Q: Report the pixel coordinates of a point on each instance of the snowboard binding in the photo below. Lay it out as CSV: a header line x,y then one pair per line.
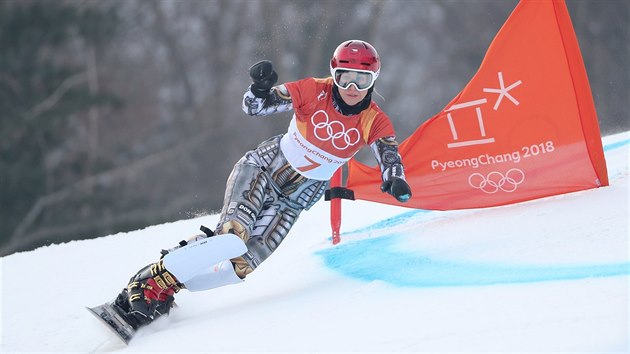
x,y
149,295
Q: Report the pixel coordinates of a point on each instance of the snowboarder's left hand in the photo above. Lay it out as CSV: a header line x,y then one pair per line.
x,y
263,78
398,188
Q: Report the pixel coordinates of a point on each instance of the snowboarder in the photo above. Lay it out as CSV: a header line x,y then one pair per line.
x,y
272,184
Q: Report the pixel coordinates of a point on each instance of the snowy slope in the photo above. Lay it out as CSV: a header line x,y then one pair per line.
x,y
549,275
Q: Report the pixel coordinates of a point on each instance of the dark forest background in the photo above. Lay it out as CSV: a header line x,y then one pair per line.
x,y
119,114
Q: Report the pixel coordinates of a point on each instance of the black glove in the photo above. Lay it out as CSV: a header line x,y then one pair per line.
x,y
263,78
398,188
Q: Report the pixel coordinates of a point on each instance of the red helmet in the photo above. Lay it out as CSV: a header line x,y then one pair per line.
x,y
356,55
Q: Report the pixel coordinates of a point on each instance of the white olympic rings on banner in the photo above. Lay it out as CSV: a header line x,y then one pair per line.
x,y
496,181
335,131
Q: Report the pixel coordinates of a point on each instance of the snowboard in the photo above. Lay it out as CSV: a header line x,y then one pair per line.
x,y
113,321
185,263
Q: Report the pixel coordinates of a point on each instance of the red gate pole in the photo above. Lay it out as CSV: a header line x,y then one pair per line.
x,y
335,207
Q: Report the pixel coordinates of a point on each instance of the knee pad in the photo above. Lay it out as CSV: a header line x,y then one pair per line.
x,y
220,274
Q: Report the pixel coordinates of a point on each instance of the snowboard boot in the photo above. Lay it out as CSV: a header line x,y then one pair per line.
x,y
148,296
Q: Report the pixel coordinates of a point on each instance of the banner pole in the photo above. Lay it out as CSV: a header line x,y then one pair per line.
x,y
335,207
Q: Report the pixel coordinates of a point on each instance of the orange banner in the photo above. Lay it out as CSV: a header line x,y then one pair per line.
x,y
524,127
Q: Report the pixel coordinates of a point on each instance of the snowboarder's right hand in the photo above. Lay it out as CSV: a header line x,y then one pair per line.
x,y
263,78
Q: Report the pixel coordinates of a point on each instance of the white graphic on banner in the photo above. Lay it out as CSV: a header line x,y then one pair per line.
x,y
482,129
325,130
496,181
503,91
477,106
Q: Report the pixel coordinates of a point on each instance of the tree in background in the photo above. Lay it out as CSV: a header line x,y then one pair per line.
x,y
48,93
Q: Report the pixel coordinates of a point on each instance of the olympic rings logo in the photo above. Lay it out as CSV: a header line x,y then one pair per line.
x,y
335,131
496,181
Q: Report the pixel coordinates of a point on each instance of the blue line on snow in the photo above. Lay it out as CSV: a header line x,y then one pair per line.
x,y
616,145
378,259
392,221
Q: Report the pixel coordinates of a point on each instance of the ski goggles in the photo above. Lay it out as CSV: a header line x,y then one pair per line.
x,y
361,79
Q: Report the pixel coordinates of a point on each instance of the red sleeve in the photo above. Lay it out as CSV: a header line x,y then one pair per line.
x,y
381,127
300,91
